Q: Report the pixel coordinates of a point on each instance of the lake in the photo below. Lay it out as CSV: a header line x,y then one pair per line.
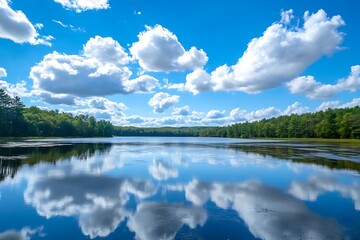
x,y
178,188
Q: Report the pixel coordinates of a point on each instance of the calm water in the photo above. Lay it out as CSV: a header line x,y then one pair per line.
x,y
178,188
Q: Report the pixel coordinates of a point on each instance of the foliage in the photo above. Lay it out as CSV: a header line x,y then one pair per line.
x,y
332,123
16,120
161,131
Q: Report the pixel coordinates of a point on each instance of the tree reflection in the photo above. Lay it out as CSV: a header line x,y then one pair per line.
x,y
12,157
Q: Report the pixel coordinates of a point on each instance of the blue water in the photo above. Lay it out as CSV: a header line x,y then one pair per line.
x,y
178,188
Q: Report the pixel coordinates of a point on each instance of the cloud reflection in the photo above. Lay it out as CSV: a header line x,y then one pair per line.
x,y
97,201
316,185
269,213
161,170
153,221
24,234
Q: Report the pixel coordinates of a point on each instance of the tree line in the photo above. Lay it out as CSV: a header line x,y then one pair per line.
x,y
18,121
332,123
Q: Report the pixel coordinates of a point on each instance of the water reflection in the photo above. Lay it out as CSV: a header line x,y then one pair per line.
x,y
153,221
317,185
178,191
97,201
161,170
13,156
269,213
25,233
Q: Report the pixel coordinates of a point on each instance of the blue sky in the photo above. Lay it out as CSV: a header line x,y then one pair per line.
x,y
181,63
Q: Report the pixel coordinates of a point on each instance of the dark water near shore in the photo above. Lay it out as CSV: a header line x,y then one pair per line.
x,y
178,188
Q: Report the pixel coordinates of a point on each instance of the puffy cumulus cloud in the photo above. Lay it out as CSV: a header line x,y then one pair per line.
x,y
316,185
263,113
141,121
100,108
84,5
198,81
311,88
278,56
238,115
183,117
62,99
162,101
325,105
355,102
3,72
153,221
182,111
158,49
161,170
14,25
268,212
352,82
106,50
17,89
96,201
25,233
335,104
215,114
103,104
295,108
99,70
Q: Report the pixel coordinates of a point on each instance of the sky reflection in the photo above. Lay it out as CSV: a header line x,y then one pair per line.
x,y
166,191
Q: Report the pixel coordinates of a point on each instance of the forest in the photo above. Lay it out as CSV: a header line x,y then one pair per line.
x,y
333,123
16,120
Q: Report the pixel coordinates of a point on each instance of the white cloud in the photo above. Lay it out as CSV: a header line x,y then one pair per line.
x,y
17,89
352,82
162,101
325,105
158,49
182,111
183,117
104,103
14,25
335,104
177,86
56,98
287,16
153,221
263,113
355,102
100,108
71,27
312,89
215,114
3,72
99,70
237,114
198,81
295,108
84,5
279,55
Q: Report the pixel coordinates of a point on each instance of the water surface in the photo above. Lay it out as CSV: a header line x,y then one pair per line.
x,y
178,188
